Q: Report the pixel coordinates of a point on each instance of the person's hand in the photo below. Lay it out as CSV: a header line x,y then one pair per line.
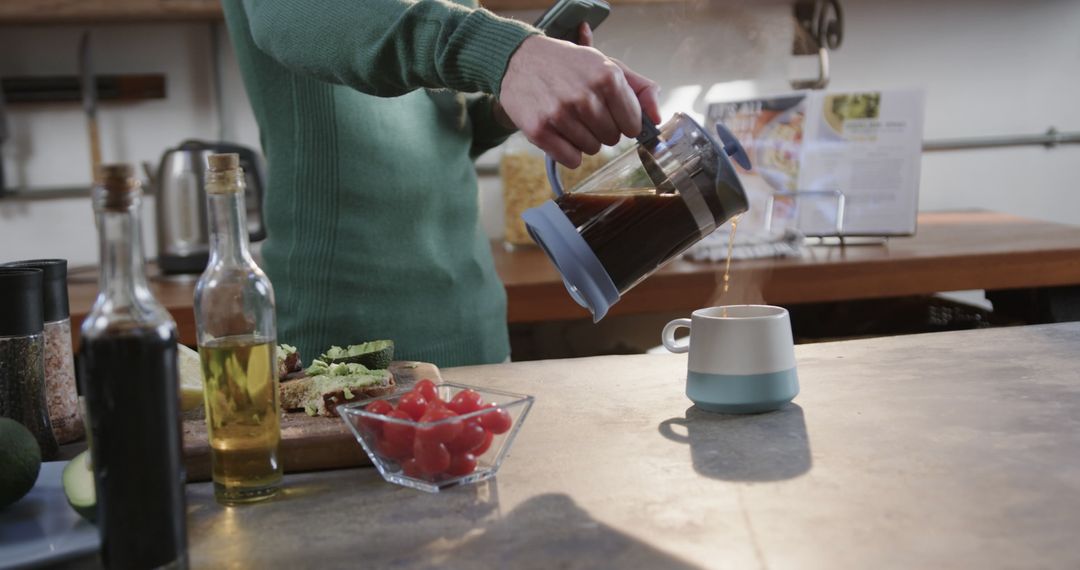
x,y
570,99
647,91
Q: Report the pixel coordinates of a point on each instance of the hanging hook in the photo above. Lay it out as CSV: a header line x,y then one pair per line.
x,y
822,80
819,28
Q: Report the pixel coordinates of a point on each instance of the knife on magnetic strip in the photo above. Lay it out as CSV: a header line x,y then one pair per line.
x,y
89,99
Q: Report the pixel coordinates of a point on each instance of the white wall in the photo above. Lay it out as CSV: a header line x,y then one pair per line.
x,y
49,145
989,67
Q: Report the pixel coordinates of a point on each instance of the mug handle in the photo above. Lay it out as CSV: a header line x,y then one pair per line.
x,y
668,336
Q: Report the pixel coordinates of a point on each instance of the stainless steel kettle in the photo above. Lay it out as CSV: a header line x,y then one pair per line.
x,y
183,238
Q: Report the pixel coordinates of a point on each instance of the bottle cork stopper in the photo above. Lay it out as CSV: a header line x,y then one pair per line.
x,y
118,171
225,161
119,185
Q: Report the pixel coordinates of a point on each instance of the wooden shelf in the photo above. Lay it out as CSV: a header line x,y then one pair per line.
x,y
104,11
14,12
510,5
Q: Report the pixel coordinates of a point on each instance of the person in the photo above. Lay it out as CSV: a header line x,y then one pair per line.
x,y
370,116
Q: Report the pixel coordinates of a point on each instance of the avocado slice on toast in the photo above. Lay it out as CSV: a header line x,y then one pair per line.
x,y
375,355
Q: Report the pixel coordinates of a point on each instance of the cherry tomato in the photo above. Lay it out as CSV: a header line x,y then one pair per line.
x,y
484,445
441,433
400,434
427,389
432,458
461,464
496,421
392,449
374,425
466,401
414,404
379,407
471,436
411,468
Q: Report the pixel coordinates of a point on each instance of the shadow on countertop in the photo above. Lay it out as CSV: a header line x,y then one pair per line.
x,y
551,531
744,447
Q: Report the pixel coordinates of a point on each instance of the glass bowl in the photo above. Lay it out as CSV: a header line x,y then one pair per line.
x,y
370,429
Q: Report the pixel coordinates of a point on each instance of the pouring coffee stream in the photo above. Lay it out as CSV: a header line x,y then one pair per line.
x,y
642,209
727,264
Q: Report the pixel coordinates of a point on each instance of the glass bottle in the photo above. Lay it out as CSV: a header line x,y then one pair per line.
x,y
61,395
129,377
235,322
22,355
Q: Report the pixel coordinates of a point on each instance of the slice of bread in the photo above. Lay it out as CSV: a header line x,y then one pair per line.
x,y
288,361
321,395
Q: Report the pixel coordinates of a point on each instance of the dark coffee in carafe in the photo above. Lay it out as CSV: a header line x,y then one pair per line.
x,y
631,234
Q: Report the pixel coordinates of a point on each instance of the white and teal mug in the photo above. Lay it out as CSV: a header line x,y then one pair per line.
x,y
742,358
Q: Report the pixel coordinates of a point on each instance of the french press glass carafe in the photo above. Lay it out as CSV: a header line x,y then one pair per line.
x,y
639,211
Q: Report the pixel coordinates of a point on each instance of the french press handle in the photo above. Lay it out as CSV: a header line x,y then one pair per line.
x,y
553,175
649,135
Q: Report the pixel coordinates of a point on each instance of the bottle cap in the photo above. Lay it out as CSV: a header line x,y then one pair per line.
x,y
21,311
54,285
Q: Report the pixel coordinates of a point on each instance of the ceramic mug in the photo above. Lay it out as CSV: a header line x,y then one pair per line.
x,y
742,358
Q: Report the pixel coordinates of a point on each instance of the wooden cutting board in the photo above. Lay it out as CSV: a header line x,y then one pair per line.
x,y
307,443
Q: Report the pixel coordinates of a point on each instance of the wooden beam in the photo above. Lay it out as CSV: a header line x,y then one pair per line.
x,y
48,12
105,11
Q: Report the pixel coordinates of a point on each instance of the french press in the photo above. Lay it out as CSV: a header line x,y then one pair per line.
x,y
639,211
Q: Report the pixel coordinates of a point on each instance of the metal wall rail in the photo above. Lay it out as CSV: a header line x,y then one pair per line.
x,y
1050,139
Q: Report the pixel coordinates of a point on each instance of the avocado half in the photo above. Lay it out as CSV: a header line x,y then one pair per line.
x,y
375,355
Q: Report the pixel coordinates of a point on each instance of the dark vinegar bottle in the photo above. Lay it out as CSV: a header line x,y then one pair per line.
x,y
129,377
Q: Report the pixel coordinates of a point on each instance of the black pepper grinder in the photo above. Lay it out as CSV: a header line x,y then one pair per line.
x,y
22,355
61,395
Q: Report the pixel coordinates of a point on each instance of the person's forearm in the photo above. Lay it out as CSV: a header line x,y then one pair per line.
x,y
388,47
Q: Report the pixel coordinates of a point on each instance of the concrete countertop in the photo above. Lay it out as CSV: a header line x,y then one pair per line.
x,y
951,450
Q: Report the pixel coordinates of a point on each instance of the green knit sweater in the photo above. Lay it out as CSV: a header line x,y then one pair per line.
x,y
371,206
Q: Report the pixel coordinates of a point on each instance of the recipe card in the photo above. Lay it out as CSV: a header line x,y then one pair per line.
x,y
809,148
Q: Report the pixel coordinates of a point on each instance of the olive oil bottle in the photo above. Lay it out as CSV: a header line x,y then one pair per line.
x,y
234,315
